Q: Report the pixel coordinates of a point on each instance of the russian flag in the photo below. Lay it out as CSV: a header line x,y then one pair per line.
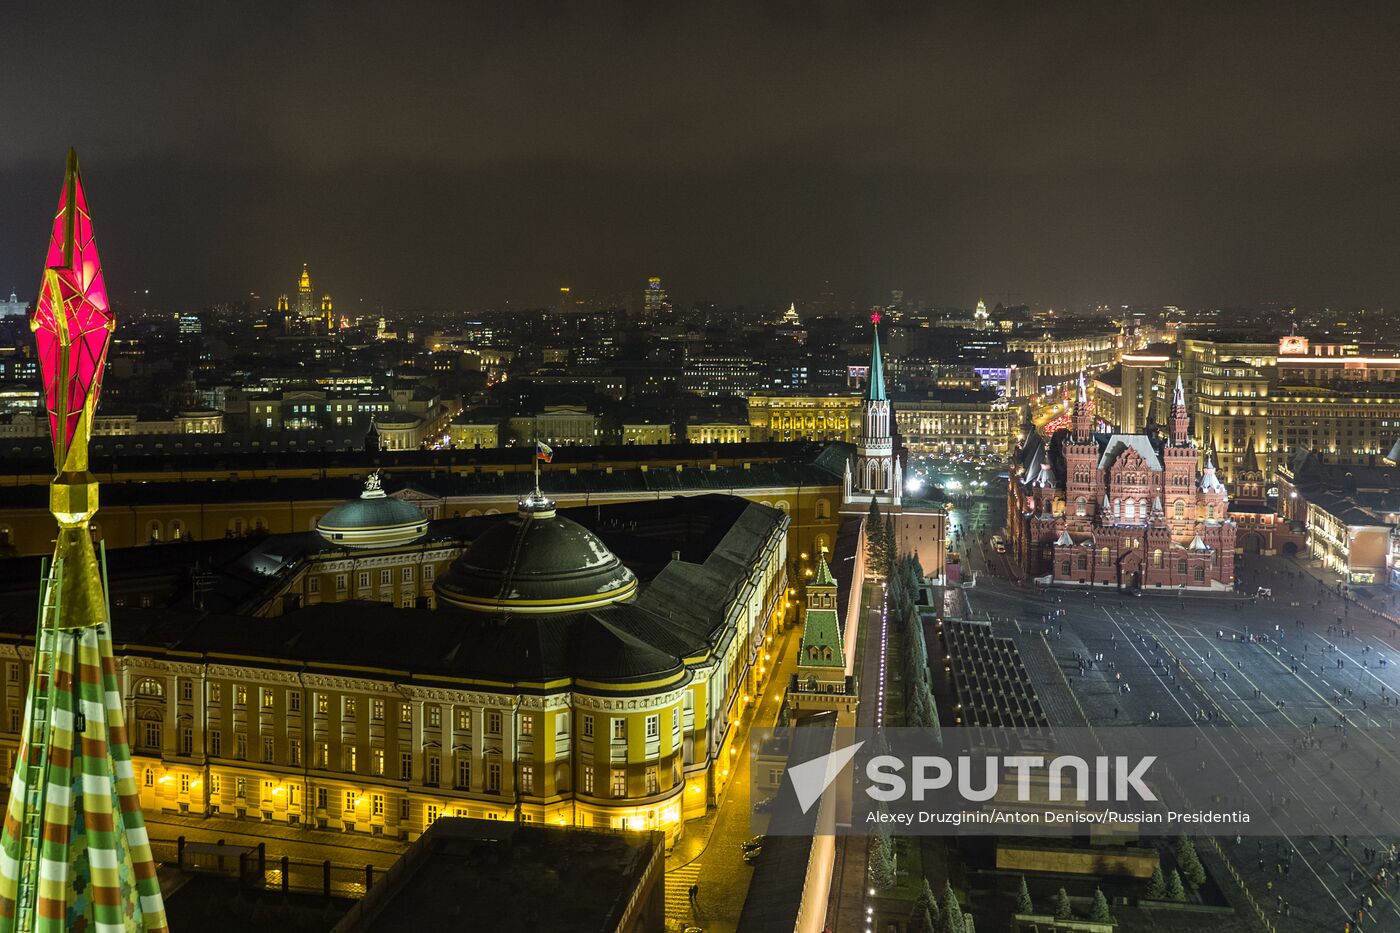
x,y
544,452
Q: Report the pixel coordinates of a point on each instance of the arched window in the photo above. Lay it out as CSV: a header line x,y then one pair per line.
x,y
1130,509
153,532
1064,568
1105,558
1210,511
1200,574
1080,506
177,530
1157,558
1178,510
149,687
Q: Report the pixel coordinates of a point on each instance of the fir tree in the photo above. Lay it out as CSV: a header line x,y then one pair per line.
x,y
968,925
875,538
1023,899
881,861
951,917
1061,905
1099,911
1193,873
1157,885
891,548
926,908
1175,890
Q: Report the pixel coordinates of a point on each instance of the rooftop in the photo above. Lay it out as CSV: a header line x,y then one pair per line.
x,y
677,614
506,876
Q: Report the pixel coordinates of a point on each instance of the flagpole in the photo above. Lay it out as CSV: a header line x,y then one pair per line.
x,y
537,470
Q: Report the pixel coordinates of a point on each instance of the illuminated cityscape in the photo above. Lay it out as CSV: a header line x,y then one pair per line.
x,y
639,470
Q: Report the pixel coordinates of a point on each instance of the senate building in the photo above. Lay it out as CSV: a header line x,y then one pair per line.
x,y
585,667
1127,511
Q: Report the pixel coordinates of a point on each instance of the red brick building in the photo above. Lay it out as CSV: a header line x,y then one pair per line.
x,y
1126,511
1259,528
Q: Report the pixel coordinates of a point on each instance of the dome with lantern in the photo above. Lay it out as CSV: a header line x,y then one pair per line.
x,y
374,520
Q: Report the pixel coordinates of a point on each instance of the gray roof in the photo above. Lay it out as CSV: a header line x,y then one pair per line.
x,y
1141,444
534,558
371,513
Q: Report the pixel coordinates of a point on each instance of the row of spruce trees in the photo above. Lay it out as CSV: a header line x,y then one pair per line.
x,y
1060,906
902,575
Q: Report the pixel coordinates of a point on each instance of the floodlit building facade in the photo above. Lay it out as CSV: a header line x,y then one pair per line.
x,y
1120,510
385,671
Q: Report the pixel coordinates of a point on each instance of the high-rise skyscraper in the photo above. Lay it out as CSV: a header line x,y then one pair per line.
x,y
74,845
306,298
654,303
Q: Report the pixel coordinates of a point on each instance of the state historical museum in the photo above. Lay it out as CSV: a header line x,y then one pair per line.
x,y
1127,511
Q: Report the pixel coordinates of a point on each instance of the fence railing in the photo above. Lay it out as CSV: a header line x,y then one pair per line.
x,y
255,870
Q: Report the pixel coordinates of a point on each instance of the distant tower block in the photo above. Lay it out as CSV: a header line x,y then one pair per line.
x,y
654,300
306,298
74,845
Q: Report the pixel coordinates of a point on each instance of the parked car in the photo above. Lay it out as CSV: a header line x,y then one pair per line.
x,y
763,806
751,855
755,843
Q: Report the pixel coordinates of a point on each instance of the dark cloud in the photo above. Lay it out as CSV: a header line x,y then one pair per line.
x,y
457,154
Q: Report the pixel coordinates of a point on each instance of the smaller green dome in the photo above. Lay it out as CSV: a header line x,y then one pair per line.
x,y
372,521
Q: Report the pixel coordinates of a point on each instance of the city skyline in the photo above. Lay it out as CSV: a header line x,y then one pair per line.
x,y
514,421
1190,157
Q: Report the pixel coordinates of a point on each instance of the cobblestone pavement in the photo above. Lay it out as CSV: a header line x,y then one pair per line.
x,y
1199,638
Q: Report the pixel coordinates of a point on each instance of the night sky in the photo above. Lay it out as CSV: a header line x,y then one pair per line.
x,y
460,156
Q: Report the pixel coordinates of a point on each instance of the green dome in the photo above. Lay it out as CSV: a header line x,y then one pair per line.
x,y
536,562
374,520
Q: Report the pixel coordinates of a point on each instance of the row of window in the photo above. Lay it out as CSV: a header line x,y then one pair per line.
x,y
152,688
353,800
386,578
